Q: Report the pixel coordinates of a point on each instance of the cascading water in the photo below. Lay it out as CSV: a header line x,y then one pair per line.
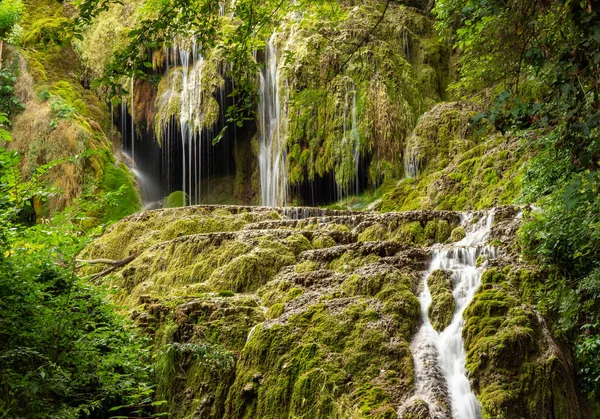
x,y
348,154
273,126
411,163
190,119
132,121
439,357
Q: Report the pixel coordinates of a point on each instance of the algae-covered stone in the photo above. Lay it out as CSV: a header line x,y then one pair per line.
x,y
411,233
519,368
437,231
458,234
376,232
298,243
250,271
442,305
176,199
323,241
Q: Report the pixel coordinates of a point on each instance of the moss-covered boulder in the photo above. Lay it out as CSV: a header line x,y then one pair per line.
x,y
517,367
442,305
334,357
412,232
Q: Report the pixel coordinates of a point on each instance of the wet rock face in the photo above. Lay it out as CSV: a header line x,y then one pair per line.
x,y
282,312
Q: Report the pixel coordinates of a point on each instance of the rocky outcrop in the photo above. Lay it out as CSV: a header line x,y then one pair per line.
x,y
274,312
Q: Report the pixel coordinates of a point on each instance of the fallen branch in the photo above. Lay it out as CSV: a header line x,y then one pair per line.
x,y
105,261
116,264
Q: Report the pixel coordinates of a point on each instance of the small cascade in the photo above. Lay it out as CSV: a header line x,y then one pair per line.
x,y
439,357
132,121
348,154
411,163
273,127
190,119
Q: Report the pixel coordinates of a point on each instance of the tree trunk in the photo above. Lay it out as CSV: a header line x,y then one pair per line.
x,y
1,45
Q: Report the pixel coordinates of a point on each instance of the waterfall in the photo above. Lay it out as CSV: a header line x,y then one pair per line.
x,y
347,155
190,120
439,357
355,138
132,121
411,162
272,126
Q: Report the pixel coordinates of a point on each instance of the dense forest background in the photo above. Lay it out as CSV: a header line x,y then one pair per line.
x,y
526,75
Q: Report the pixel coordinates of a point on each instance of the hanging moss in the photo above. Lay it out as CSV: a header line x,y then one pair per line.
x,y
458,168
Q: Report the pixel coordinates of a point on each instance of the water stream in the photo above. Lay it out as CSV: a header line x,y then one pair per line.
x,y
273,126
439,357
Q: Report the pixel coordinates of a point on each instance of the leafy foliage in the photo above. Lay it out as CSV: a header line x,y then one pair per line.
x,y
64,350
9,103
542,58
11,13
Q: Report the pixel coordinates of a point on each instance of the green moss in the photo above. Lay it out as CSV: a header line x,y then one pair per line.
x,y
512,356
336,228
195,352
274,292
298,243
411,233
351,260
297,368
250,271
457,234
323,241
442,305
176,199
374,233
306,266
275,311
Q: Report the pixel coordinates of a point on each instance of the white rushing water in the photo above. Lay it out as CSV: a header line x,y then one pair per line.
x,y
347,153
439,357
273,126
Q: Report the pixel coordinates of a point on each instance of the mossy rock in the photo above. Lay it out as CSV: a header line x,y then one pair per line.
x,y
250,271
437,231
176,199
323,241
374,233
411,233
442,305
519,367
458,234
298,243
297,368
352,260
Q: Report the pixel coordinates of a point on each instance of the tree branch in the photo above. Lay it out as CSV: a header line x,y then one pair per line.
x,y
116,264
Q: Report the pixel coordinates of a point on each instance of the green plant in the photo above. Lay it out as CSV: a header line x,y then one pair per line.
x,y
11,14
64,350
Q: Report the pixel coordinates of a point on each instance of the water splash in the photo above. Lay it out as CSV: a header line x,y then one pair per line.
x,y
440,374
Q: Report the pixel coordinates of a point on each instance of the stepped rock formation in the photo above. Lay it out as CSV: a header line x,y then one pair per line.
x,y
306,312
